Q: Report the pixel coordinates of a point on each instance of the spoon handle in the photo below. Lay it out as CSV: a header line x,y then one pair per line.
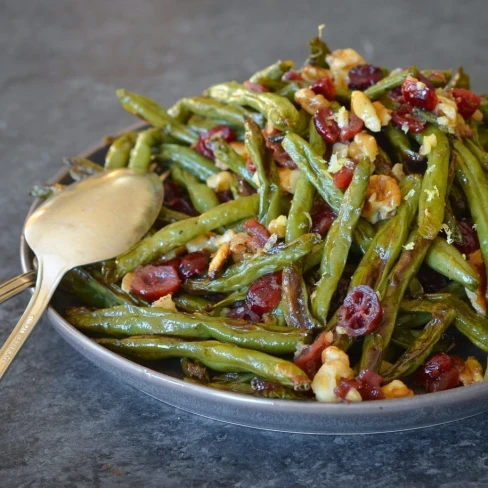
x,y
16,285
49,274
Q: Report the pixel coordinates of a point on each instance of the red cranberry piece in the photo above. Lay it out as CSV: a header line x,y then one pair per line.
x,y
367,383
326,126
342,178
427,80
255,87
220,132
273,143
265,293
292,75
153,282
418,94
258,231
309,359
361,312
171,191
354,127
438,373
182,205
470,242
224,196
325,86
243,312
467,102
403,115
193,264
322,216
250,165
364,76
396,95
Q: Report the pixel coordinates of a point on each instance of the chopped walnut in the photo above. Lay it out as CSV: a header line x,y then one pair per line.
x,y
472,372
278,226
219,259
127,282
220,181
396,389
341,61
362,106
310,101
382,198
288,179
314,73
166,303
363,144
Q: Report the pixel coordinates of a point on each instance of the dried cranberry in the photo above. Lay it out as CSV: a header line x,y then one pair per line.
x,y
193,264
403,117
322,216
325,86
467,102
354,127
470,242
255,87
364,76
224,196
258,231
326,126
243,312
342,178
273,143
438,373
292,75
182,205
396,95
367,383
340,293
309,359
250,165
153,282
418,94
427,79
361,312
220,132
431,280
171,191
265,293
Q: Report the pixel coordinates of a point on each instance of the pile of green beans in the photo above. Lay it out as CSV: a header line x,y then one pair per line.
x,y
274,173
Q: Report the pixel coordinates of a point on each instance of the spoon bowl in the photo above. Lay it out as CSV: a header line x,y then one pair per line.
x,y
90,221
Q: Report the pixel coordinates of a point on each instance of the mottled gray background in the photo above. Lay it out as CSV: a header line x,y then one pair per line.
x,y
65,423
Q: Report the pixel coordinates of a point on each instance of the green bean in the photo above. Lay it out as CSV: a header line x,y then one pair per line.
x,y
119,151
81,168
338,241
401,146
179,233
168,215
246,272
377,262
278,110
91,292
343,95
471,178
289,89
391,81
447,260
451,222
434,185
140,156
483,108
154,114
234,297
189,159
422,346
315,169
318,52
478,152
405,337
214,355
411,320
127,321
459,80
225,154
269,190
46,191
438,77
467,321
207,107
202,197
295,300
270,76
191,303
409,263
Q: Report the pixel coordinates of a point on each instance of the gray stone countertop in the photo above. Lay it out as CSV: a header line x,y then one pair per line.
x,y
65,423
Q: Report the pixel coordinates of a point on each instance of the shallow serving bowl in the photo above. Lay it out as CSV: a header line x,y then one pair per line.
x,y
280,415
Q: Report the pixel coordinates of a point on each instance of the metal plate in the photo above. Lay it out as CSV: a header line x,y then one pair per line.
x,y
279,415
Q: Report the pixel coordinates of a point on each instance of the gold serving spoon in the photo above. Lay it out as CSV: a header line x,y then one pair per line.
x,y
90,221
